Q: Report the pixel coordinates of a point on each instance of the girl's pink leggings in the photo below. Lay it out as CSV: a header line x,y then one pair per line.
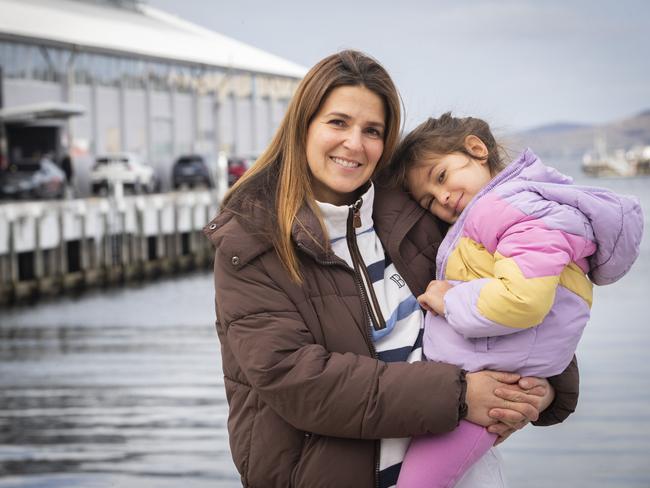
x,y
439,461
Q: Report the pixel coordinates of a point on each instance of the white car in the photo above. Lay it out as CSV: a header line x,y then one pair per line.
x,y
123,167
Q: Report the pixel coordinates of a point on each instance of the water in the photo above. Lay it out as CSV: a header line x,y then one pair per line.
x,y
116,389
124,388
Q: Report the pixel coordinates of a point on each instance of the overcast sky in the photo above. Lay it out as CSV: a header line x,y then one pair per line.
x,y
518,63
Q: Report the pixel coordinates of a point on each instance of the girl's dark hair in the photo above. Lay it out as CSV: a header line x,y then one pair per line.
x,y
441,136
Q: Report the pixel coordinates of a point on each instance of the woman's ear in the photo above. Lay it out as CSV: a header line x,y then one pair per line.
x,y
476,147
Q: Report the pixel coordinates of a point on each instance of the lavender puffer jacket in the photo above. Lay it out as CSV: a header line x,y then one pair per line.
x,y
520,256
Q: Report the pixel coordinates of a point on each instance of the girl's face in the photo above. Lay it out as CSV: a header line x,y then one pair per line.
x,y
444,185
345,140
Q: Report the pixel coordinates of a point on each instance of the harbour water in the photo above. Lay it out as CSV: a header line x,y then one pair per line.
x,y
123,388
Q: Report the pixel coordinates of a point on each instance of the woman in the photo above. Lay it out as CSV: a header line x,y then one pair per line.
x,y
315,275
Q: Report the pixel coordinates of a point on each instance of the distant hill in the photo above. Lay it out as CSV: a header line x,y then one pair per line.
x,y
555,128
563,144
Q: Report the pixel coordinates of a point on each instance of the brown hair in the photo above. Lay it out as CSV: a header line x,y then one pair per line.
x,y
441,136
282,169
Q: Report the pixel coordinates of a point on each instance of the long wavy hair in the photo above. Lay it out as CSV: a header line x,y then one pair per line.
x,y
282,169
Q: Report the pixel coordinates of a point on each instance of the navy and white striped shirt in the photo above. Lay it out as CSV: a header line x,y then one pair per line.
x,y
401,340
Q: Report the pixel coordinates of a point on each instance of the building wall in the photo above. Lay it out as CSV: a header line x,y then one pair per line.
x,y
157,110
183,122
206,142
21,92
109,136
135,119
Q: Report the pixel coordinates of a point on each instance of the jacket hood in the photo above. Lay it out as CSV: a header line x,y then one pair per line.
x,y
532,169
616,220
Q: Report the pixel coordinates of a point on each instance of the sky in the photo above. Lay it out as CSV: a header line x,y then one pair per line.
x,y
517,63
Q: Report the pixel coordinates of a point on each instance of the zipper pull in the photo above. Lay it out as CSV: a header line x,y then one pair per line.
x,y
356,209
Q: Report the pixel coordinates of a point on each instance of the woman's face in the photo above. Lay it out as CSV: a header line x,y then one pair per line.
x,y
345,140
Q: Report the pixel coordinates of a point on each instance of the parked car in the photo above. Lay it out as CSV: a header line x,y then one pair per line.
x,y
32,179
237,166
191,170
125,167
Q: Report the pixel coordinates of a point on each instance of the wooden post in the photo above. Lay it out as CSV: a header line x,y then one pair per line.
x,y
38,251
177,238
141,240
107,258
193,237
160,237
124,251
13,261
63,266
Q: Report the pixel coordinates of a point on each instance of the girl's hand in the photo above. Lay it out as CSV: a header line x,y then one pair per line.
x,y
433,298
535,391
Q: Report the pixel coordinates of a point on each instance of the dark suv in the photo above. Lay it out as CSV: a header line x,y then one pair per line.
x,y
191,170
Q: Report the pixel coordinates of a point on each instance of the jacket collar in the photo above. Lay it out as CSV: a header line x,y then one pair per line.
x,y
335,217
246,232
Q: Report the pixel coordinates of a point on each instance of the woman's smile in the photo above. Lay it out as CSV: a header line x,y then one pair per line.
x,y
346,163
345,141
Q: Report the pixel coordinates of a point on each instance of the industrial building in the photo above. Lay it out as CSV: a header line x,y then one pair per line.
x,y
90,77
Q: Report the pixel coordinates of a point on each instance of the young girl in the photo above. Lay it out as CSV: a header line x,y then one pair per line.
x,y
514,272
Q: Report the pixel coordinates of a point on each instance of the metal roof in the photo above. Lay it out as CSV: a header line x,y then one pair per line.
x,y
144,31
45,110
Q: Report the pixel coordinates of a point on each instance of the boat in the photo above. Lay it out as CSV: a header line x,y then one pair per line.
x,y
620,163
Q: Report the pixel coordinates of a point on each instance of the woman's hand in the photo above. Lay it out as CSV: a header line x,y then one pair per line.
x,y
505,402
481,397
535,391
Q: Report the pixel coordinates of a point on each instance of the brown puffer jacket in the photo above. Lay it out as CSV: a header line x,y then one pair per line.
x,y
307,399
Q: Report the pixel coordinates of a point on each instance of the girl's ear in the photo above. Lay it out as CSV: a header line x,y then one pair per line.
x,y
476,147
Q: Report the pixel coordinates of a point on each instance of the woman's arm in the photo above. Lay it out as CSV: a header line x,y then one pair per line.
x,y
566,386
482,398
313,389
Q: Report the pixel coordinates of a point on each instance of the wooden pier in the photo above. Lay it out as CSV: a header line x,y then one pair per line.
x,y
54,247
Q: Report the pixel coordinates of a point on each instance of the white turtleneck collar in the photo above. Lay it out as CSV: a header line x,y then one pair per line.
x,y
336,216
